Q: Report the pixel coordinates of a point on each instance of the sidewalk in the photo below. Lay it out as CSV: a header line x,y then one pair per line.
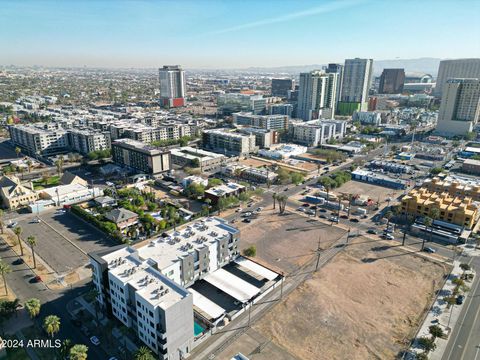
x,y
440,315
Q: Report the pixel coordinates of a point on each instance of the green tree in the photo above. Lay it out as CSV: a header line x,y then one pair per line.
x,y
51,324
251,251
65,348
144,353
427,344
296,178
78,352
283,176
214,182
59,164
18,151
435,331
274,197
18,231
469,136
4,270
33,307
222,204
32,241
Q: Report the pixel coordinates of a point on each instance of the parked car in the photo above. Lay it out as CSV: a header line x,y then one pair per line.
x,y
313,207
460,299
344,216
310,212
259,209
18,261
36,221
286,189
355,220
12,225
323,216
247,220
323,210
371,231
429,250
306,205
247,214
334,219
37,279
301,209
94,340
388,237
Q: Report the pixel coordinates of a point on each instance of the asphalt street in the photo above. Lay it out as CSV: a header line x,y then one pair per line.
x,y
53,302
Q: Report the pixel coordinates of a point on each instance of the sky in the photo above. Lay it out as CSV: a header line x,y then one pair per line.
x,y
233,33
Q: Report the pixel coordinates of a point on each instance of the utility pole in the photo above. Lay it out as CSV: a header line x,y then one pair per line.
x,y
318,253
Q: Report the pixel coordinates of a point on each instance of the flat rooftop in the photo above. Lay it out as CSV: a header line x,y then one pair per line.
x,y
167,250
224,189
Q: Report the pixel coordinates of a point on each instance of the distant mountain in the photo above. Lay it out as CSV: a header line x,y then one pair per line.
x,y
417,66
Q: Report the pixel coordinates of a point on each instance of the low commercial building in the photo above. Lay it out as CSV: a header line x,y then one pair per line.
x,y
144,287
229,143
69,194
283,151
471,166
390,167
367,117
378,179
222,191
105,201
459,210
256,175
144,158
13,194
189,156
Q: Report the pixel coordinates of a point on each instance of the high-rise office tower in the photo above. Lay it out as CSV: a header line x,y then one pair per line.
x,y
460,69
357,76
172,86
391,81
460,107
281,87
338,69
317,95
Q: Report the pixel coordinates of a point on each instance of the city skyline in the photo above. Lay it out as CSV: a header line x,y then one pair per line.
x,y
214,34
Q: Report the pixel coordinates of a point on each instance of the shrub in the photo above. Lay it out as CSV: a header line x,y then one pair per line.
x,y
250,251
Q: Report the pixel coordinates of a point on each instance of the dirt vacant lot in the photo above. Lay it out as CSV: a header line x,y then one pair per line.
x,y
287,241
361,305
374,192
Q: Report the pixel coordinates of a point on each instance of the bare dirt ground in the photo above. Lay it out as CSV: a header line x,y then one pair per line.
x,y
374,192
287,241
364,304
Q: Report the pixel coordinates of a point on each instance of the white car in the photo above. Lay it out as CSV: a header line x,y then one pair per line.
x,y
389,237
94,340
109,183
36,221
301,209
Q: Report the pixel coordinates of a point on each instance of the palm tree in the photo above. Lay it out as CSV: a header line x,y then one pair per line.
x,y
33,307
65,348
78,352
51,324
274,196
59,164
32,241
18,151
143,353
327,187
4,270
427,222
17,231
29,164
208,201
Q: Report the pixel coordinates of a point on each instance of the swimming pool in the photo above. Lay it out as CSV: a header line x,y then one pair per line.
x,y
197,328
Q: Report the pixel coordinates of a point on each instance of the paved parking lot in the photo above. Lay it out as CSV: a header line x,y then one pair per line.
x,y
55,235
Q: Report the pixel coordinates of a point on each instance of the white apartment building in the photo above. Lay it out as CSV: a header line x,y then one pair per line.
x,y
225,142
144,287
85,141
317,95
38,141
189,156
316,132
148,134
460,107
268,122
459,68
